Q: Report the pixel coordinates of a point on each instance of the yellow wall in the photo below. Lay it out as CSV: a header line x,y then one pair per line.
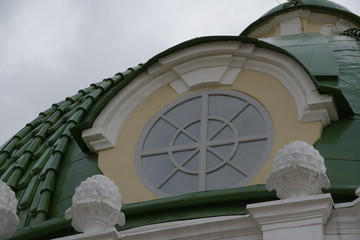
x,y
118,163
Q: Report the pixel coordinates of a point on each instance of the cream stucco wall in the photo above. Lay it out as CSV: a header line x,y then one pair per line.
x,y
118,163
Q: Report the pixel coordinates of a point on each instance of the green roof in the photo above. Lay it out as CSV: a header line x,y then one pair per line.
x,y
47,159
314,5
333,60
43,163
325,4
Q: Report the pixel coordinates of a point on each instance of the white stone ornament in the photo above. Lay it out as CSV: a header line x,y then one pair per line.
x,y
298,171
96,205
8,218
337,29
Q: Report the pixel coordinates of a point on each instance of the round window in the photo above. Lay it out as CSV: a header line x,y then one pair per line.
x,y
204,141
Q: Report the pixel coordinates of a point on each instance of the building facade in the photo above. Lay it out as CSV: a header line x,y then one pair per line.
x,y
223,137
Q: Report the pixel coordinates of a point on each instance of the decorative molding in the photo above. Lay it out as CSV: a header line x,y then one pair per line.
x,y
298,170
224,227
311,217
96,205
296,218
345,220
339,27
105,234
209,64
8,218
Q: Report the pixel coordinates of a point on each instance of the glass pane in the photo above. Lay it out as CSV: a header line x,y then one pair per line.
x,y
181,183
225,177
187,159
159,136
225,150
193,163
249,122
186,112
182,139
224,133
224,106
157,167
248,155
212,161
194,129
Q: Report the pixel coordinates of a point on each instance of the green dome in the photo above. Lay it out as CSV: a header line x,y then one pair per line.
x,y
307,3
315,5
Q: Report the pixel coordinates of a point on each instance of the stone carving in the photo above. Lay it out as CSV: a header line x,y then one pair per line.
x,y
96,205
298,170
337,29
8,218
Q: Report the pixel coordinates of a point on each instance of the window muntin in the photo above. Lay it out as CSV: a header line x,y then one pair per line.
x,y
207,140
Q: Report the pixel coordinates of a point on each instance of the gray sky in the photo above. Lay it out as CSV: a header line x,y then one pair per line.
x,y
51,49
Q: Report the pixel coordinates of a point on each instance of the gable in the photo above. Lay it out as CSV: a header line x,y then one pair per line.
x,y
278,83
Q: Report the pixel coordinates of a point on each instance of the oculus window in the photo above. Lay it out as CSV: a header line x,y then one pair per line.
x,y
206,140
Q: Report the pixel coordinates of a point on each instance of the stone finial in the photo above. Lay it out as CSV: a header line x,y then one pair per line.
x,y
96,205
298,170
8,218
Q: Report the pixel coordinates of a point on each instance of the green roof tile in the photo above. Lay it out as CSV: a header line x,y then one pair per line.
x,y
28,195
32,161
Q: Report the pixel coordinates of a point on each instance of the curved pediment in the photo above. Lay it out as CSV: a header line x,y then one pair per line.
x,y
211,64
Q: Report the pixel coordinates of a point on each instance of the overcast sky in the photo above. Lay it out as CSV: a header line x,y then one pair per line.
x,y
50,49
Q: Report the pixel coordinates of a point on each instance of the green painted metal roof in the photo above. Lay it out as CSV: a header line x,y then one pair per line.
x,y
314,5
308,3
333,60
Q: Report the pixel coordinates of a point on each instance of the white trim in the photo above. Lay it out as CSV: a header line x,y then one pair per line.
x,y
312,217
212,64
227,227
296,218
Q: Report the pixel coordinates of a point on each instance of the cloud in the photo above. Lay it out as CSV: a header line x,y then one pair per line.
x,y
51,49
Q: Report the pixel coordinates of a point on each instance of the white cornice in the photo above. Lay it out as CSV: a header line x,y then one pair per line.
x,y
209,64
310,217
226,227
